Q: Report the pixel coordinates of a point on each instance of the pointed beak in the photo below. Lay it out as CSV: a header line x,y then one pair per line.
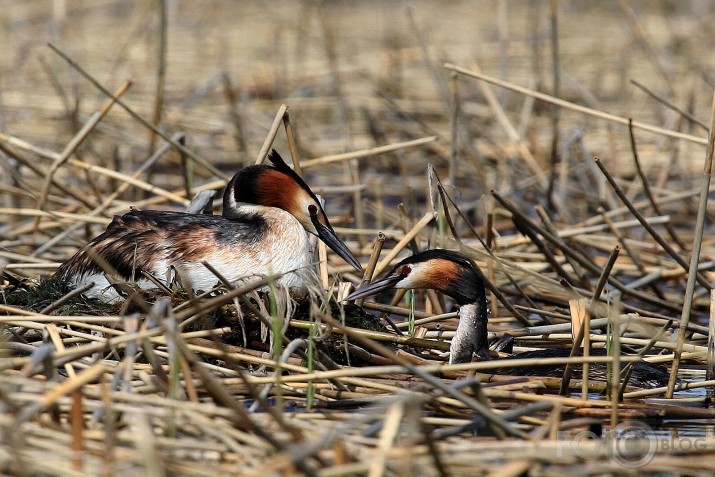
x,y
327,235
374,288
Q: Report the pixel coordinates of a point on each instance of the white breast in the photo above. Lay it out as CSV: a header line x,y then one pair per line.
x,y
285,248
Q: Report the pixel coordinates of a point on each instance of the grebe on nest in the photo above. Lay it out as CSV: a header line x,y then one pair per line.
x,y
262,231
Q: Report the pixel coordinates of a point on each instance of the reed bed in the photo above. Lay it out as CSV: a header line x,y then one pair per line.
x,y
571,162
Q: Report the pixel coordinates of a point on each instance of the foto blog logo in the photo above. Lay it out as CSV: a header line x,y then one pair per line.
x,y
631,444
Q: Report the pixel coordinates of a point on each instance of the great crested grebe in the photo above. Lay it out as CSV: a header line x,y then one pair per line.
x,y
262,231
454,274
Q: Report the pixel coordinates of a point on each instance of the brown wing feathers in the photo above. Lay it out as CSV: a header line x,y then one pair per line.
x,y
130,243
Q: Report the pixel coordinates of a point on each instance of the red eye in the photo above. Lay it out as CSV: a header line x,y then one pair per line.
x,y
405,270
312,210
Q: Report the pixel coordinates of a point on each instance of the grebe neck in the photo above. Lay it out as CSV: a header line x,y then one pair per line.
x,y
471,335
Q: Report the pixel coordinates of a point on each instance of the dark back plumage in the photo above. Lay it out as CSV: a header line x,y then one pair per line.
x,y
134,241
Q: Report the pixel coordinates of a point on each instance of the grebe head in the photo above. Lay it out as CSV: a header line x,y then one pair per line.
x,y
452,274
443,270
279,186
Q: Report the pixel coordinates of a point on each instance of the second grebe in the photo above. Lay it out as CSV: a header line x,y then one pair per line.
x,y
262,231
454,275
